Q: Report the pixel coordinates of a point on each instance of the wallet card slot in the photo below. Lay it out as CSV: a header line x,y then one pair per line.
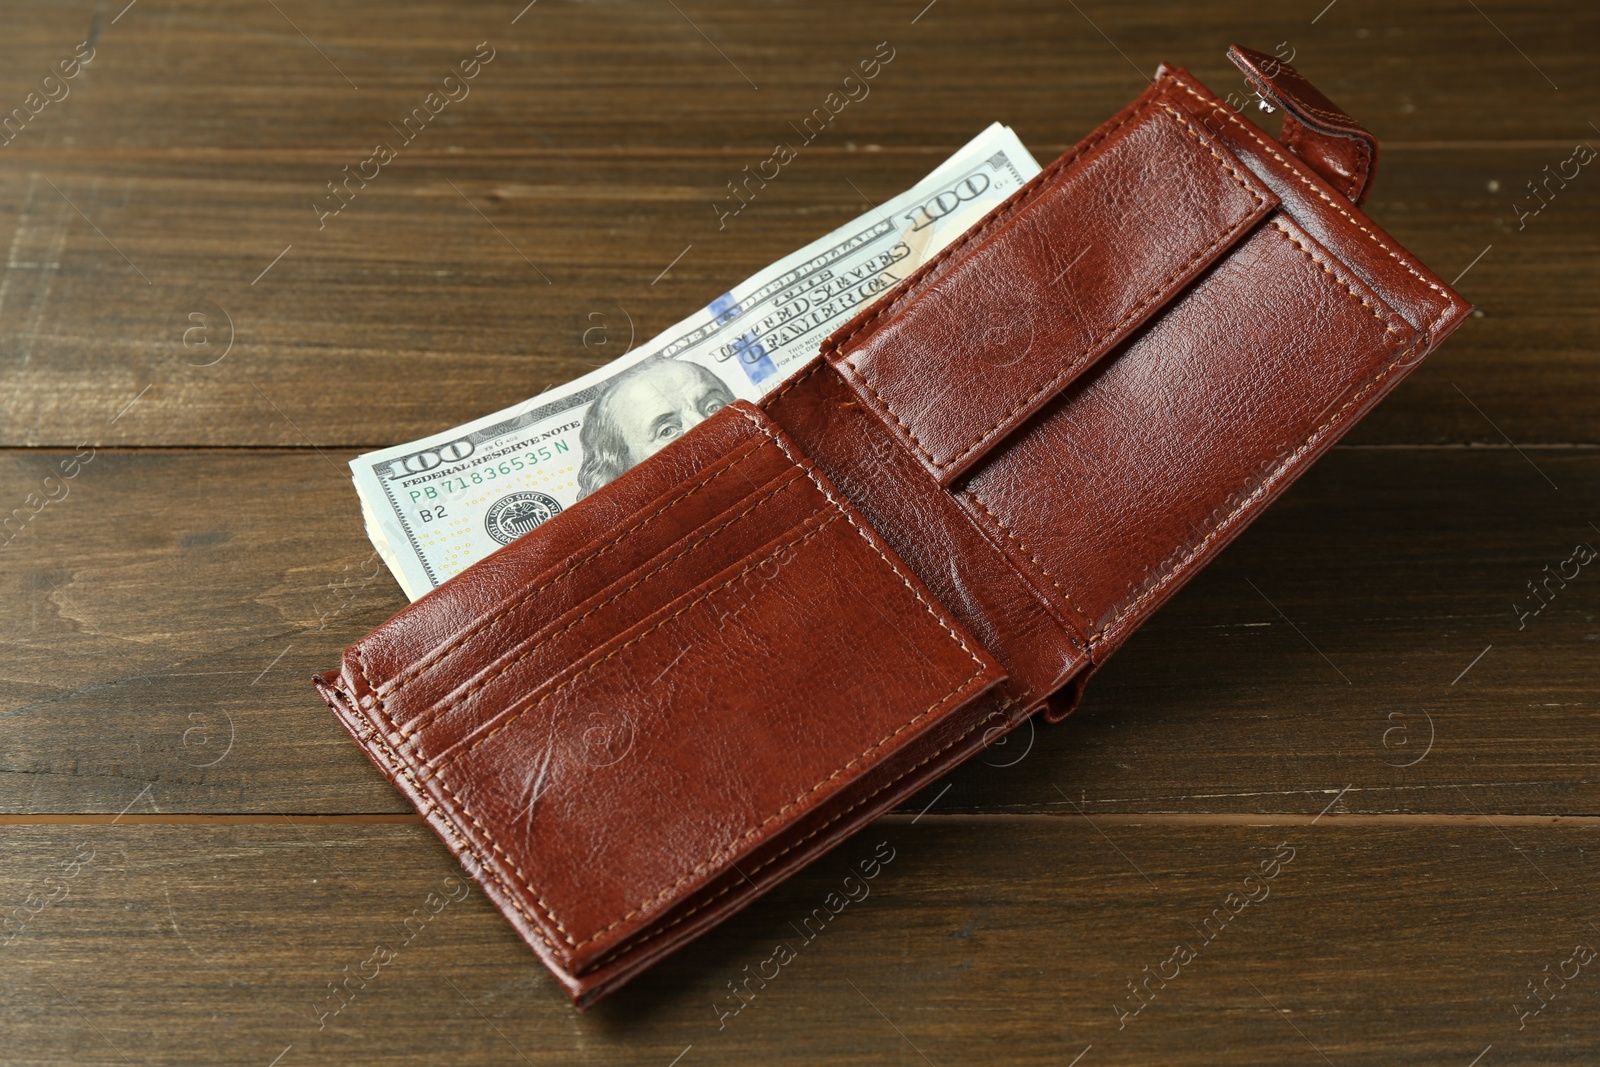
x,y
522,588
1121,229
512,688
530,657
702,730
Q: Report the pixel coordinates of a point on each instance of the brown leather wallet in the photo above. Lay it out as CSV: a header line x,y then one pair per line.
x,y
636,719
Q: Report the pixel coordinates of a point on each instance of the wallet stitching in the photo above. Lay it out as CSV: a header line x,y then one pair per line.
x,y
392,758
816,365
789,480
1308,443
1293,138
1389,325
1328,117
840,512
1231,117
389,752
728,463
644,935
1088,624
828,495
1074,365
1344,124
809,469
1290,99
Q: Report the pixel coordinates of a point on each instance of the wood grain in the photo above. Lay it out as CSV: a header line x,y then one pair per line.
x,y
174,600
982,939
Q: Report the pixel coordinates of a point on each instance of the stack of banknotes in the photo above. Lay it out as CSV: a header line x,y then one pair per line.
x,y
435,506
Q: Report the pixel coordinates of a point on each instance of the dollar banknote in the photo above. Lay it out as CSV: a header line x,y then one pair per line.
x,y
435,506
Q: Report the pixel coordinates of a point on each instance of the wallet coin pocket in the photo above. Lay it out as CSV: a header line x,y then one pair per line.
x,y
1252,406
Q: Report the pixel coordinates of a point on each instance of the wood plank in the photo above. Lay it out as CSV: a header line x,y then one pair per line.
x,y
409,313
176,599
246,77
980,938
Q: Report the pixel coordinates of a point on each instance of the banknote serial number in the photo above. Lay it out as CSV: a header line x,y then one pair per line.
x,y
464,481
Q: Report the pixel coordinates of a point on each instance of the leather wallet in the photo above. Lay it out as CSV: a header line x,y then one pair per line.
x,y
640,716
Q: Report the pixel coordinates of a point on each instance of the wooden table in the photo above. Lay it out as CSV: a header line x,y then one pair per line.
x,y
193,849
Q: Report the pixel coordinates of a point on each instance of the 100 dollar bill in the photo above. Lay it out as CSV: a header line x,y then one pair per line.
x,y
434,507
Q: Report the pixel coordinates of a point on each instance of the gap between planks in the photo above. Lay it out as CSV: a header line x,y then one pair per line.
x,y
1577,822
371,446
458,152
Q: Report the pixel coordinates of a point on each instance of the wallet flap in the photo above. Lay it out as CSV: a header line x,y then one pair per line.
x,y
1119,229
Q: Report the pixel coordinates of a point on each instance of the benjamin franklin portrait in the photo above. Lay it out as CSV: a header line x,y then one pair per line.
x,y
640,412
